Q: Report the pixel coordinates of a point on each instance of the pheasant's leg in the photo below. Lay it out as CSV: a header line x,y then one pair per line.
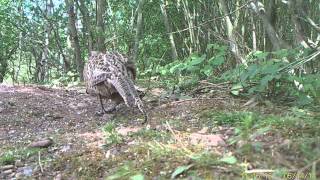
x,y
145,118
114,106
99,113
111,109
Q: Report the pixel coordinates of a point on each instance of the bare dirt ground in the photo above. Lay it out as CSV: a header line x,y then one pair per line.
x,y
32,113
77,145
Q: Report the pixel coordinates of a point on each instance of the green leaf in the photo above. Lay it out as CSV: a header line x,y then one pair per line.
x,y
270,69
281,53
304,100
195,60
229,160
177,68
179,170
235,90
214,46
193,68
253,70
264,81
216,61
250,73
163,71
137,177
260,54
207,70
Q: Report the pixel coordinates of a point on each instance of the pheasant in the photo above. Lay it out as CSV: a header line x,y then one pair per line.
x,y
110,75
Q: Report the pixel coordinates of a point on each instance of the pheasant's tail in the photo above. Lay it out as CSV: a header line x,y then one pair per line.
x,y
128,92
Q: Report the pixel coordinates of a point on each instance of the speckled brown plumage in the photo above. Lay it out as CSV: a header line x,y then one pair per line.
x,y
110,75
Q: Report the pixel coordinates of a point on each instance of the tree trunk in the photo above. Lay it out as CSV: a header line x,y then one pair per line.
x,y
274,39
167,24
297,9
230,34
100,8
254,35
74,37
66,64
44,59
189,20
86,24
138,31
4,62
3,68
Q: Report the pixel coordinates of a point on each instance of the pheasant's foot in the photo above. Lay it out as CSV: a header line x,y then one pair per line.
x,y
145,119
99,113
110,110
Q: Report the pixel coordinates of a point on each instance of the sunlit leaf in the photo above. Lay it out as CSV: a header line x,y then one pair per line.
x,y
229,159
179,170
207,70
197,60
260,54
235,90
137,177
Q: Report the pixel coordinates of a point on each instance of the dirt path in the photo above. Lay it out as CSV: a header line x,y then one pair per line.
x,y
33,113
36,112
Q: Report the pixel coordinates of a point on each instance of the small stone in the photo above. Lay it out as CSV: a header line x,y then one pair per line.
x,y
11,103
12,175
81,105
27,171
203,130
19,175
7,172
207,140
3,168
42,143
241,143
18,163
58,177
229,132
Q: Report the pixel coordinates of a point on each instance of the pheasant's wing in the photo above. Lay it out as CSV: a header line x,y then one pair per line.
x,y
99,76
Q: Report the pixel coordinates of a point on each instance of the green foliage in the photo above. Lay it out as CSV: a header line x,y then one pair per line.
x,y
179,170
187,72
126,171
150,134
7,158
229,160
272,74
229,118
111,135
68,79
11,155
197,65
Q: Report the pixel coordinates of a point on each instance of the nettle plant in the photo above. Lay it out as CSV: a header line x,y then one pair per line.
x,y
196,67
273,73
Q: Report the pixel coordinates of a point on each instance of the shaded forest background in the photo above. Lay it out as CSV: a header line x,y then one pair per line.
x,y
268,47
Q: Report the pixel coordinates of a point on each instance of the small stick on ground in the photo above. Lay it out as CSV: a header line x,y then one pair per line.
x,y
39,161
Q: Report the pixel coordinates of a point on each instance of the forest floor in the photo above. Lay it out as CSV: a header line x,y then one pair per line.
x,y
48,133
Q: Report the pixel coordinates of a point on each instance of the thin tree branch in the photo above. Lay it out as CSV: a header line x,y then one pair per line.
x,y
213,19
